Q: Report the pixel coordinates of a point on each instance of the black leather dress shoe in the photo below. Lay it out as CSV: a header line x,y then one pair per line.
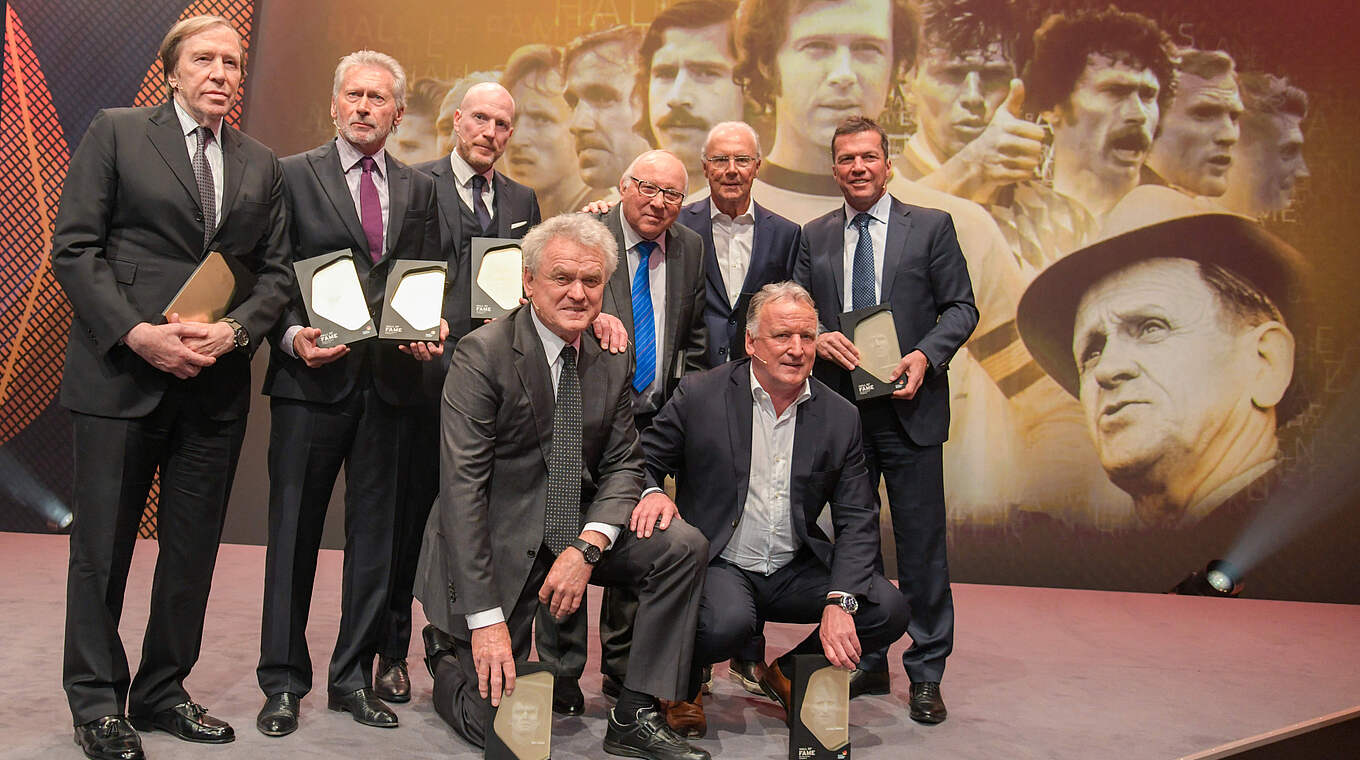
x,y
279,716
747,673
869,682
188,721
567,697
437,644
393,683
365,707
611,686
109,738
926,704
648,736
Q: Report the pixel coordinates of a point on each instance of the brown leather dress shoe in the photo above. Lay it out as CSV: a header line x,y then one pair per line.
x,y
687,718
393,683
188,721
109,738
777,687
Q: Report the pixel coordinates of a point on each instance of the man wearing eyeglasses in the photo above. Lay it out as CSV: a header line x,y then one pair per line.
x,y
659,297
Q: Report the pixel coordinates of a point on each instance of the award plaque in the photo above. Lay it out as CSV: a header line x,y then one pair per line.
x,y
819,710
414,301
875,337
334,298
217,285
521,727
497,276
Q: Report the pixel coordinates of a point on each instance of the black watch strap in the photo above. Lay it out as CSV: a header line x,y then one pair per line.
x,y
589,550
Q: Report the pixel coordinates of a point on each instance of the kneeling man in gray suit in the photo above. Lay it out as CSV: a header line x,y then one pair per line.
x,y
541,471
757,448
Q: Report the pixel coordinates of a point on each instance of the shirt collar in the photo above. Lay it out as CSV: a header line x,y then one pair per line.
x,y
188,125
552,342
759,393
631,238
879,211
748,217
350,155
462,171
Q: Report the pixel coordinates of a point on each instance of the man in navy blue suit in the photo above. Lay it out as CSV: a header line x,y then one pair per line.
x,y
875,249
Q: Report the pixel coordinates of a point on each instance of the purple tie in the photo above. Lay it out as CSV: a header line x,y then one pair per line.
x,y
370,209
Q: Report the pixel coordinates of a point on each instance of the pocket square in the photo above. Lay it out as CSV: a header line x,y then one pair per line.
x,y
517,225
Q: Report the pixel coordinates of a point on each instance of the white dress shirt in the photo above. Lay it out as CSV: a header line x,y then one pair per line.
x,y
764,540
733,240
462,174
656,281
552,349
878,232
213,152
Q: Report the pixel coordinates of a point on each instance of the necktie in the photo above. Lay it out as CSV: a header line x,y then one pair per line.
x,y
564,461
862,279
479,205
644,325
206,194
370,209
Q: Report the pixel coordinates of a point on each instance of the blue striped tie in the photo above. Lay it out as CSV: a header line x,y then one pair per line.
x,y
644,326
862,276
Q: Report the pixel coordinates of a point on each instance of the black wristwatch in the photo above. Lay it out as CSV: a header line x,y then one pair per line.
x,y
239,334
847,602
591,551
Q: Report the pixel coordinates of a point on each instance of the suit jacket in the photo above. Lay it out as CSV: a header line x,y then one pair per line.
x,y
128,235
323,219
702,438
925,282
774,248
515,213
685,345
496,424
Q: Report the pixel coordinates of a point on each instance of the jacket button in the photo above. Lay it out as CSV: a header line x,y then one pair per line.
x,y
198,216
732,321
734,523
531,553
722,351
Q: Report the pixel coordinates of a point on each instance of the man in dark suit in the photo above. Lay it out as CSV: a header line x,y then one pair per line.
x,y
876,249
149,192
345,405
541,470
663,278
474,200
757,448
745,246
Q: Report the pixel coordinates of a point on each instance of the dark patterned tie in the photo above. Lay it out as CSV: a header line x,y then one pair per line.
x,y
479,204
206,194
370,209
564,463
862,278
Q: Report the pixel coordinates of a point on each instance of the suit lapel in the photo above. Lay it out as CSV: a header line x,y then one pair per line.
x,y
739,429
836,247
895,247
502,202
675,295
169,142
326,165
807,427
398,198
446,192
699,217
620,289
531,364
233,168
760,243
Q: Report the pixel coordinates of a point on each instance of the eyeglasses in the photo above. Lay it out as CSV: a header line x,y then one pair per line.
x,y
650,189
742,162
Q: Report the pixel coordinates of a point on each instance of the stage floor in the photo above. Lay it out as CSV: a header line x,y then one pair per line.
x,y
1036,673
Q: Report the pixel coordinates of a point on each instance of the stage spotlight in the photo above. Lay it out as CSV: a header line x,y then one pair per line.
x,y
18,483
1220,578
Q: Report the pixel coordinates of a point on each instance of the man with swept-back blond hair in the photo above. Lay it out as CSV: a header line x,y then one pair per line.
x,y
150,192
